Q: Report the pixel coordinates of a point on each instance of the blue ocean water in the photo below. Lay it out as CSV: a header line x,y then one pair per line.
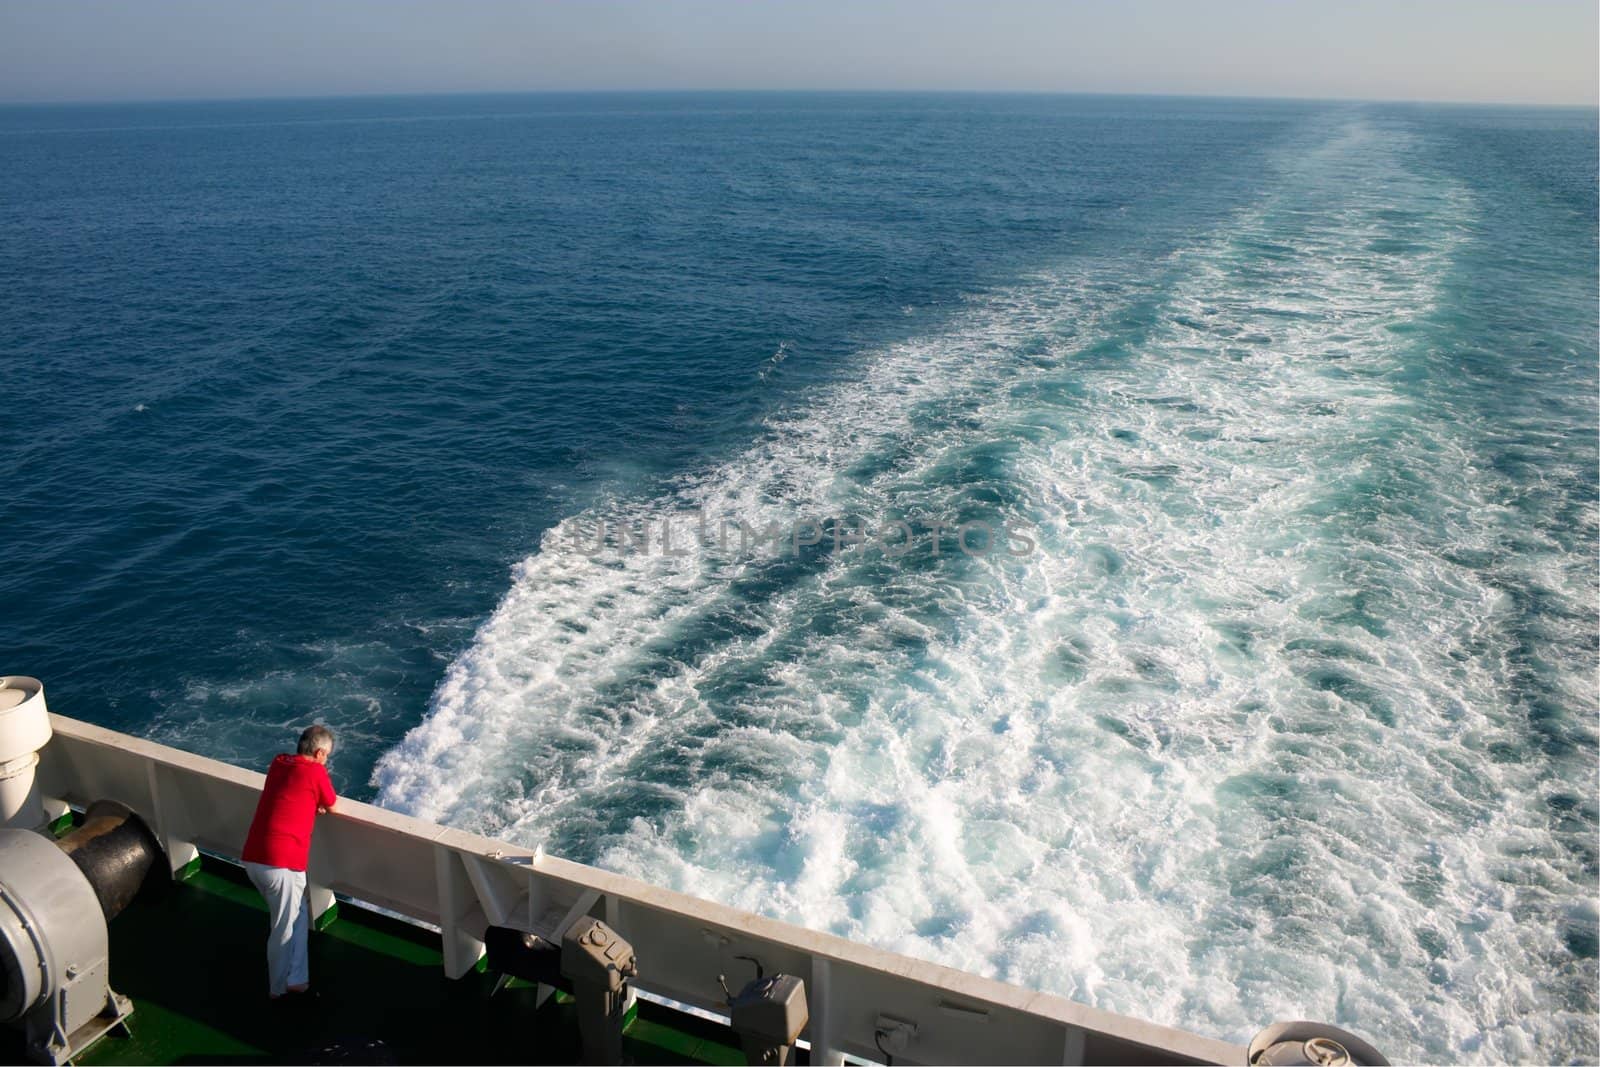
x,y
1290,713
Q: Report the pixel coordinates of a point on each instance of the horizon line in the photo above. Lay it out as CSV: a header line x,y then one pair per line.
x,y
641,91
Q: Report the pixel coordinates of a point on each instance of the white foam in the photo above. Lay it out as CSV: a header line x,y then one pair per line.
x,y
1221,753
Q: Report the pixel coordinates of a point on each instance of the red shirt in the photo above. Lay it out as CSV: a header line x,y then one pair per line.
x,y
280,834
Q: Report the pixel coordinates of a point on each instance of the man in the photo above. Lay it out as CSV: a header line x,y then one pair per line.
x,y
297,790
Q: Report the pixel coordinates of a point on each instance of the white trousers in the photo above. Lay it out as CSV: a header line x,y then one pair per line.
x,y
290,912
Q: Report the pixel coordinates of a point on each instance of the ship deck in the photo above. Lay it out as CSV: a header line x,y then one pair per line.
x,y
191,955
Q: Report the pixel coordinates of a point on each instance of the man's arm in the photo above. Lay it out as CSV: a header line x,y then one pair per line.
x,y
328,797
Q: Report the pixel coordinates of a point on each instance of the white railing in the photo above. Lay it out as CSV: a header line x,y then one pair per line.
x,y
461,883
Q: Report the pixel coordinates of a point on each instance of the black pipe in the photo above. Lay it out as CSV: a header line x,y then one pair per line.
x,y
524,956
115,850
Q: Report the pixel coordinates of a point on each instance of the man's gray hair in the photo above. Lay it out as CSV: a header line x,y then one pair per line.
x,y
315,739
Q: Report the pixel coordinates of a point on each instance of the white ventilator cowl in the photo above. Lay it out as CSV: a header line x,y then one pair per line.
x,y
24,730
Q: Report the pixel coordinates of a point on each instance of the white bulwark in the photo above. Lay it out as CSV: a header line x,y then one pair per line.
x,y
461,883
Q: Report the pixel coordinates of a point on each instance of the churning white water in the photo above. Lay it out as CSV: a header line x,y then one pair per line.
x,y
1245,737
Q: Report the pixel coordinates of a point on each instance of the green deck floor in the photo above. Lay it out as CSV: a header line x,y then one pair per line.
x,y
192,957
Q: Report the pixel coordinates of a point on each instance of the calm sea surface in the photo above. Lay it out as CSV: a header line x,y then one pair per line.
x,y
313,410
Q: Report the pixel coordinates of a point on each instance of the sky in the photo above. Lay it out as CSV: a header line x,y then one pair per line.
x,y
1515,51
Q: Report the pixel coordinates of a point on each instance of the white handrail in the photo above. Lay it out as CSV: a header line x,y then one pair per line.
x,y
460,883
